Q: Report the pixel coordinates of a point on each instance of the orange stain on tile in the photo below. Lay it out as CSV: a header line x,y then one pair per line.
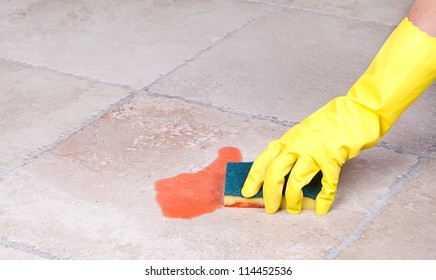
x,y
190,195
243,204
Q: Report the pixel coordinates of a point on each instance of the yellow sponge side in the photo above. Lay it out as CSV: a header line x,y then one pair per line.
x,y
242,202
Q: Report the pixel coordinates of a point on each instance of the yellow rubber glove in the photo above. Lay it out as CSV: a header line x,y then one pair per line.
x,y
403,68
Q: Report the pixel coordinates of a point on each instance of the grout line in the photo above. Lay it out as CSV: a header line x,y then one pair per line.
x,y
323,13
275,6
201,52
252,21
133,91
378,207
229,110
283,2
19,246
64,136
388,146
288,6
66,74
404,151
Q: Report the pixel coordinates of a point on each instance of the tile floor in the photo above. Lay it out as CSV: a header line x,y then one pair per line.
x,y
100,99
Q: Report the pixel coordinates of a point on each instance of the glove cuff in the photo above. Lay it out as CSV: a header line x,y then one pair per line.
x,y
402,70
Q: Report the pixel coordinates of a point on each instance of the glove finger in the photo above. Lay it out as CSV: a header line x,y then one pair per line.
x,y
327,194
256,176
301,174
275,180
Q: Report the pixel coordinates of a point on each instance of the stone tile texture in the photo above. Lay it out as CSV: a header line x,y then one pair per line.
x,y
38,107
413,214
280,56
128,42
96,190
7,253
243,74
101,99
387,11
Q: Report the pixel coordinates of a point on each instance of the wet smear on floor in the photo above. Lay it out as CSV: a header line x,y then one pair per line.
x,y
190,195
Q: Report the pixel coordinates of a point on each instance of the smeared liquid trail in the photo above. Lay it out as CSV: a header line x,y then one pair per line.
x,y
190,195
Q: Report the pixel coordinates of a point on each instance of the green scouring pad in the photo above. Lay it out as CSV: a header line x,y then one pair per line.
x,y
236,173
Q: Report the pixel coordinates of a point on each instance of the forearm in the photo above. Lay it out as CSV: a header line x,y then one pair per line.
x,y
422,14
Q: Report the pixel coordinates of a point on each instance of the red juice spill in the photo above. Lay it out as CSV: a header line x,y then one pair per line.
x,y
190,195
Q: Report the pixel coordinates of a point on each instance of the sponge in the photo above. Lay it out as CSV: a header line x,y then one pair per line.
x,y
237,172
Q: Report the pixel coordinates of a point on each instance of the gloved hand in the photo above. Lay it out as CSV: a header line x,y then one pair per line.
x,y
403,68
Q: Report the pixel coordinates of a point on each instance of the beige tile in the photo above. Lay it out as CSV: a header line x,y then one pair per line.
x,y
92,197
7,253
406,228
370,175
386,11
288,73
271,2
39,106
129,42
282,66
